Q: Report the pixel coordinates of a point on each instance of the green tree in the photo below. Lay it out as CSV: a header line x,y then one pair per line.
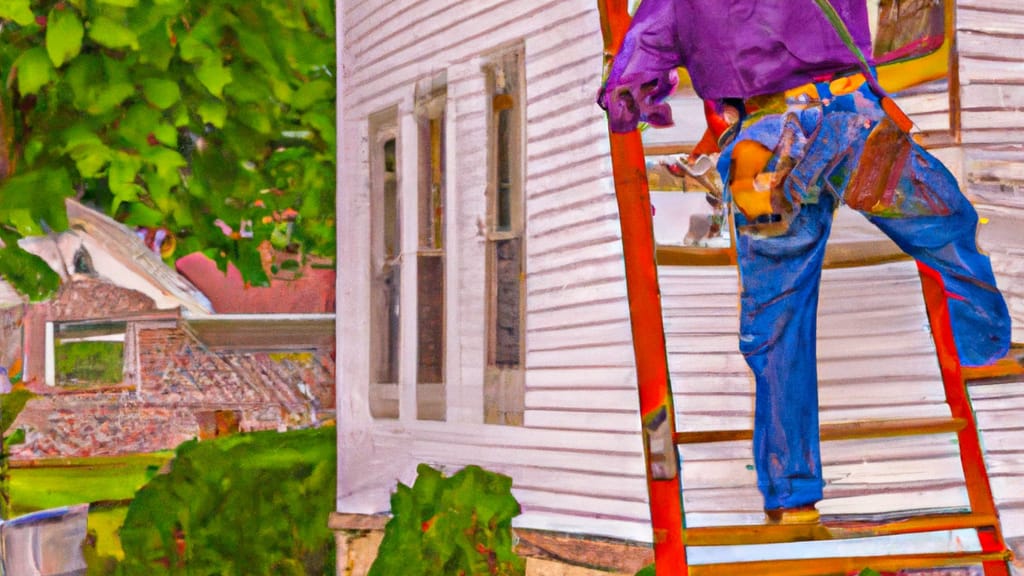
x,y
211,119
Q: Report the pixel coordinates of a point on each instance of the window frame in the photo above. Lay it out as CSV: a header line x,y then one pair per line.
x,y
504,384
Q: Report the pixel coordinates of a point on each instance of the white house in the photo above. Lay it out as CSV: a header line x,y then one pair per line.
x,y
482,310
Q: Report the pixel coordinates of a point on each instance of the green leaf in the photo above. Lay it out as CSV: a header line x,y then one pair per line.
x,y
161,92
250,264
193,49
311,93
28,273
167,161
166,134
99,84
18,437
155,48
121,177
14,402
138,123
34,70
64,33
141,215
213,112
111,34
17,10
324,124
214,76
41,193
90,159
323,14
123,3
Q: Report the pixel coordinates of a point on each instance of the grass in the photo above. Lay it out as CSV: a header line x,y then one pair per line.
x,y
107,482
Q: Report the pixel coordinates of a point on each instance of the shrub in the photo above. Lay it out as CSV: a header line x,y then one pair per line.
x,y
458,525
241,505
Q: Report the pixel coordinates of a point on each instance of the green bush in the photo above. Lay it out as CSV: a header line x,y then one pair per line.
x,y
240,505
458,525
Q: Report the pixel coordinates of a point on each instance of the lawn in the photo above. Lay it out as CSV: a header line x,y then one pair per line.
x,y
108,483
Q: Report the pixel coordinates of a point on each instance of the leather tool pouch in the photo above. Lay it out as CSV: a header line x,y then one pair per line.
x,y
883,184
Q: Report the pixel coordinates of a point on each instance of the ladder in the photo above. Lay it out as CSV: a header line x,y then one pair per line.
x,y
661,438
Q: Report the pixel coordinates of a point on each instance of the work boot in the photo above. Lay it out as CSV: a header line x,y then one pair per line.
x,y
790,516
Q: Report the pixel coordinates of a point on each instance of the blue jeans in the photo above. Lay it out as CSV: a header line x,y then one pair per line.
x,y
780,273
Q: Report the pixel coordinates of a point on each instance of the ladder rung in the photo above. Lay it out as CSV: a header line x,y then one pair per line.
x,y
848,565
831,530
841,430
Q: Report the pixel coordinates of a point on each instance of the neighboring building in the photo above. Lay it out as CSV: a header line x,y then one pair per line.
x,y
483,316
128,356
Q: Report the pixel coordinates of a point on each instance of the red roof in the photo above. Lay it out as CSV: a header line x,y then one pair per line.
x,y
309,292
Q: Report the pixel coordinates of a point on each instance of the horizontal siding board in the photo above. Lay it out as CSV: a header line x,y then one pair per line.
x,y
610,355
558,261
588,378
977,70
603,421
577,274
580,399
612,333
451,39
568,299
1009,22
583,315
991,97
574,523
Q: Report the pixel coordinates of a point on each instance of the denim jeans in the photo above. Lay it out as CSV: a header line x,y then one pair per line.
x,y
931,220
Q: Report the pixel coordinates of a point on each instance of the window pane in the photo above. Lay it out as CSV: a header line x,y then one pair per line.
x,y
908,29
430,393
89,363
508,302
386,286
432,184
504,170
392,236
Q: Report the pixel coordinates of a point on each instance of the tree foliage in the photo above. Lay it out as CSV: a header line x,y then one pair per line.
x,y
212,119
240,505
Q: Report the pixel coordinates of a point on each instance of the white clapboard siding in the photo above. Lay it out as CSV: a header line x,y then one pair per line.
x,y
573,470
876,360
577,462
998,408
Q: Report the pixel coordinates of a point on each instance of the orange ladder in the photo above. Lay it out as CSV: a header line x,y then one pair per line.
x,y
670,536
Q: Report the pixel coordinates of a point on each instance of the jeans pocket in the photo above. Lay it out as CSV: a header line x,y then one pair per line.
x,y
885,182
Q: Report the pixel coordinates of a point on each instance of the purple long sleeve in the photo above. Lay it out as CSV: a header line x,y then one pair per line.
x,y
732,49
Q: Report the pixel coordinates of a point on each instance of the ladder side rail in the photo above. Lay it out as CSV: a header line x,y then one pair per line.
x,y
979,491
655,394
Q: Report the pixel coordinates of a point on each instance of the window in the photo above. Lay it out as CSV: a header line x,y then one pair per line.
x,y
504,378
912,41
83,354
430,257
386,237
909,29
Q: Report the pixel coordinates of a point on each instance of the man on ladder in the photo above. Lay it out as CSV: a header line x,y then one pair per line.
x,y
814,129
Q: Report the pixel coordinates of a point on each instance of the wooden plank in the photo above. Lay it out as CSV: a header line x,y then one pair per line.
x,y
830,530
578,273
1010,21
574,523
557,262
846,565
976,70
618,354
593,379
840,430
583,314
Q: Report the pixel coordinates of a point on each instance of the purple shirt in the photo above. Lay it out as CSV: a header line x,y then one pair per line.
x,y
731,48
